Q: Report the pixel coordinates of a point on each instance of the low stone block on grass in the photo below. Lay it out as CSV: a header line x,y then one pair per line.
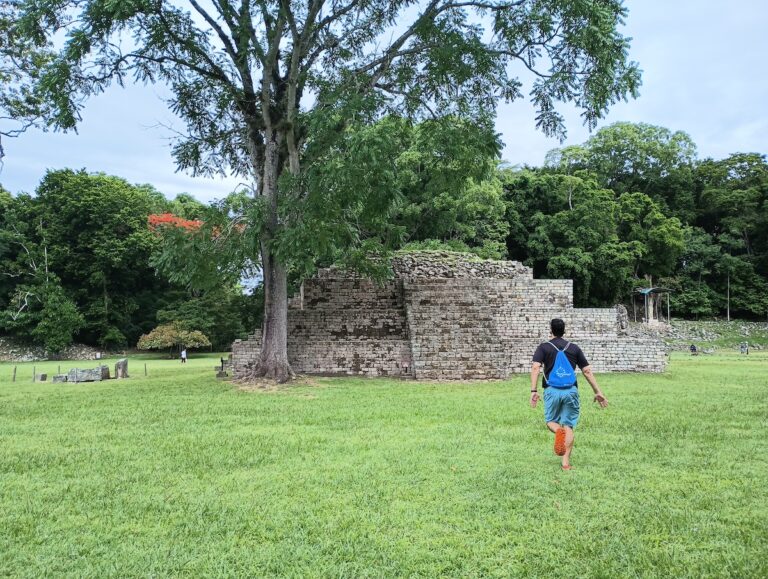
x,y
86,375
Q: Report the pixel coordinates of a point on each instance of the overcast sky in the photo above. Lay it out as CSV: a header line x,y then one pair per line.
x,y
704,66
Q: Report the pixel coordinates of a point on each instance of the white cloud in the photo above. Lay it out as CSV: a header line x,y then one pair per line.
x,y
704,73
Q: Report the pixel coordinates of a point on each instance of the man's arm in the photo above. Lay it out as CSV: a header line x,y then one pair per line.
x,y
599,396
535,369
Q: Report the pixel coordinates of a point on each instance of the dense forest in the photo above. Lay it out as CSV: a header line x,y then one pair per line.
x,y
75,264
79,259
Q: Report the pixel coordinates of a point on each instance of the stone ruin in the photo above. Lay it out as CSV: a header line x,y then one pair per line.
x,y
445,316
76,375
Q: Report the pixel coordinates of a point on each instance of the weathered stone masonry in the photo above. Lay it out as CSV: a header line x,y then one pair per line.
x,y
445,317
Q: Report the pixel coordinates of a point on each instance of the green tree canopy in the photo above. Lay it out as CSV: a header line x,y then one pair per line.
x,y
172,336
22,61
568,226
95,228
637,157
447,178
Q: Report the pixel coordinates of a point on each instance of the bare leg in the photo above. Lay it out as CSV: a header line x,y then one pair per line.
x,y
553,426
568,445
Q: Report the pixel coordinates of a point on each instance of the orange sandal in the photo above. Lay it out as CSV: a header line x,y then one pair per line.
x,y
560,442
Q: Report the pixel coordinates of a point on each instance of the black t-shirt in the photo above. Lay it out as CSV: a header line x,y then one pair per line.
x,y
545,354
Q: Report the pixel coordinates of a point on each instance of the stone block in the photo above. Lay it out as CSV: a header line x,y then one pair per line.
x,y
89,375
121,368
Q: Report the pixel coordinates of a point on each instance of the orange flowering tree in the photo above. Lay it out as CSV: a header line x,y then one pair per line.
x,y
203,254
158,221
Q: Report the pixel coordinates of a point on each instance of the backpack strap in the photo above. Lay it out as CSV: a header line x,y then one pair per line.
x,y
558,349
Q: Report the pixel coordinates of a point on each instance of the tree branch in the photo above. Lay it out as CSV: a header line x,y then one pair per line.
x,y
216,71
226,40
486,5
247,23
429,12
333,17
23,306
270,70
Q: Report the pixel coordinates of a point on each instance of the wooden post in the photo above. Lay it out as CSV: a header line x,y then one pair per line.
x,y
34,371
645,307
14,374
58,371
145,368
634,307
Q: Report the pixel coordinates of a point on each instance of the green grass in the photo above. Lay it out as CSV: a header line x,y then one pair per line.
x,y
176,474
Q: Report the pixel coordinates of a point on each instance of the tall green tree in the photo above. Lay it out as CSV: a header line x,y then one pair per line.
x,y
637,157
449,188
6,251
640,219
734,200
267,88
733,210
34,306
98,244
568,226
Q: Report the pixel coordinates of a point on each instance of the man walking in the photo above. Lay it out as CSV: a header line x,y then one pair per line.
x,y
561,395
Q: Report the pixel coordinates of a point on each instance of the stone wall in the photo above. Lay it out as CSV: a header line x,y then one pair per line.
x,y
13,351
444,318
344,325
489,328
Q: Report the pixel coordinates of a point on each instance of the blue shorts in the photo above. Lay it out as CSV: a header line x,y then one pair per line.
x,y
562,406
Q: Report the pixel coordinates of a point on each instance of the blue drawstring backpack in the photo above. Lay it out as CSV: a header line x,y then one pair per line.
x,y
562,374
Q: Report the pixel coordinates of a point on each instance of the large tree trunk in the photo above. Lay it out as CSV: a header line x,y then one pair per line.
x,y
274,344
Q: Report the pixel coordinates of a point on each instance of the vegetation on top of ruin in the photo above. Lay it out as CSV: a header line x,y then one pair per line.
x,y
443,255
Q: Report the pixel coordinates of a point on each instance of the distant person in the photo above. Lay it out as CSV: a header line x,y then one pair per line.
x,y
561,395
694,351
184,356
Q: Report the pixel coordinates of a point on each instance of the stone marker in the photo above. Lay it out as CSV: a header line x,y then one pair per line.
x,y
59,378
41,377
121,368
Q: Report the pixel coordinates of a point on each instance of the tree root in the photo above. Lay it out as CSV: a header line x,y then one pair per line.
x,y
278,373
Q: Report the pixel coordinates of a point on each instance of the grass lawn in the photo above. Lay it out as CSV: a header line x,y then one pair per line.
x,y
176,474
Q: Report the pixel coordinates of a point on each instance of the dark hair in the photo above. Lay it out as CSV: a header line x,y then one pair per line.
x,y
558,327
